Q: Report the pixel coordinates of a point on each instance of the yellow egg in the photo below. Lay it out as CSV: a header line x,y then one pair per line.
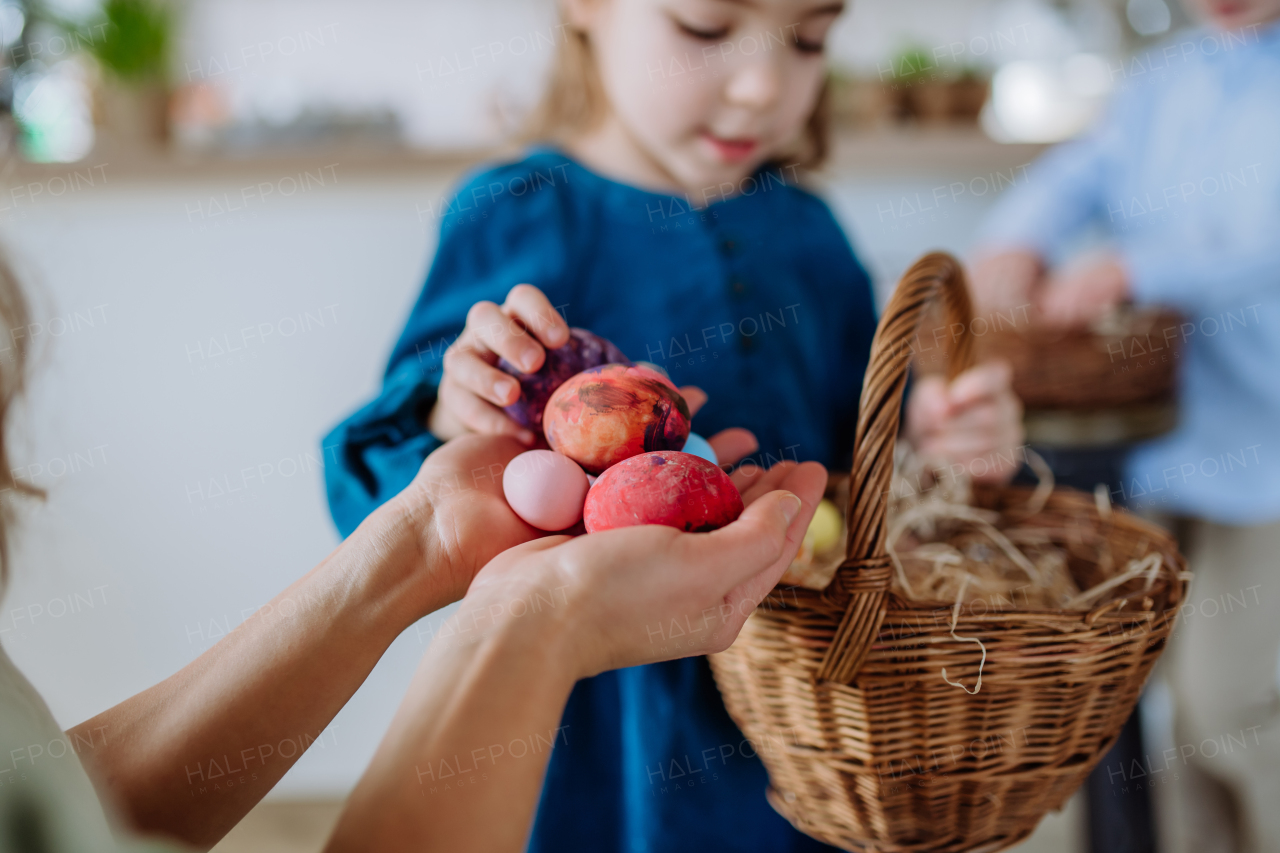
x,y
825,528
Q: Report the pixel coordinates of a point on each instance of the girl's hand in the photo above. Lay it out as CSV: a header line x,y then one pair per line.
x,y
473,390
616,593
975,421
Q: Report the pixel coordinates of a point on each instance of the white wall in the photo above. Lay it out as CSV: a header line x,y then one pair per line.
x,y
142,396
463,73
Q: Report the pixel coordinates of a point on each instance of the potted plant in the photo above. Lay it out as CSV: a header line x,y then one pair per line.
x,y
132,47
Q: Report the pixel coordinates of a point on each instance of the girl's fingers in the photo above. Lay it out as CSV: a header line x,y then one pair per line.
x,y
733,444
503,335
746,475
768,482
928,406
695,397
535,312
479,415
468,370
982,417
986,380
963,447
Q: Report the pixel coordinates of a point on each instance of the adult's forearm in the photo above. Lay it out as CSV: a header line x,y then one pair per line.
x,y
464,760
192,755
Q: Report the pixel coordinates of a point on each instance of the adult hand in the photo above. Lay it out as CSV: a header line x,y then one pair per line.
x,y
456,516
555,611
999,281
975,421
619,589
455,511
1083,291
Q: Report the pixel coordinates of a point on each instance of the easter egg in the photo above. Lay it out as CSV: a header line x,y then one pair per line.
x,y
656,368
545,488
699,446
662,487
824,528
610,413
582,351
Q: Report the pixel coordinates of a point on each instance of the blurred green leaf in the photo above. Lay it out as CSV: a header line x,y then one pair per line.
x,y
135,42
912,64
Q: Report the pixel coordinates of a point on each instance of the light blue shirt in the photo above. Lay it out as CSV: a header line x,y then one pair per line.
x,y
1183,175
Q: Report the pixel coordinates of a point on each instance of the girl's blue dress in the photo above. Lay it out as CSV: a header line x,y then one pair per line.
x,y
758,299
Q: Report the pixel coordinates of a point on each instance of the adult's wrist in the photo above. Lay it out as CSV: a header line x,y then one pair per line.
x,y
400,561
534,611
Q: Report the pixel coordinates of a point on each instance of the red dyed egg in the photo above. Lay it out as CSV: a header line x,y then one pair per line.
x,y
613,412
664,487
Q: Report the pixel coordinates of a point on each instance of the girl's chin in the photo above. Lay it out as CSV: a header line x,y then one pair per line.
x,y
706,176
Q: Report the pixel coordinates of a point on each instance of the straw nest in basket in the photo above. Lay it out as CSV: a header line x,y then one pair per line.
x,y
946,549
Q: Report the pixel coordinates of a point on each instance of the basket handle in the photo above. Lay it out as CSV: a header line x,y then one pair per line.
x,y
865,574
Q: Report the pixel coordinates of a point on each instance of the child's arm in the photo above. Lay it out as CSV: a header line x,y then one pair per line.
x,y
375,451
1046,206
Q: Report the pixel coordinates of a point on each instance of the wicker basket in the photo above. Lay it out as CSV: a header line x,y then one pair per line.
x,y
841,691
1131,359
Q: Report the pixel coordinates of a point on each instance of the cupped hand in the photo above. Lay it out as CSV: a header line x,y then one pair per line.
x,y
456,512
473,390
649,593
974,421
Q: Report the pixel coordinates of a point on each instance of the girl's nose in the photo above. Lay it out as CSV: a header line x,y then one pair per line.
x,y
755,85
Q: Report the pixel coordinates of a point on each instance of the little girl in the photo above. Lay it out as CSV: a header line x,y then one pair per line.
x,y
667,218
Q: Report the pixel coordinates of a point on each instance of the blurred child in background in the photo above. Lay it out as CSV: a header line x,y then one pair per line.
x,y
663,213
1184,175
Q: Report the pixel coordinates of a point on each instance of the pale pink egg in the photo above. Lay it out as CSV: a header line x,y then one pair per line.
x,y
545,488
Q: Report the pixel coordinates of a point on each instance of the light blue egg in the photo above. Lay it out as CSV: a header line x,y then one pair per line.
x,y
656,368
699,446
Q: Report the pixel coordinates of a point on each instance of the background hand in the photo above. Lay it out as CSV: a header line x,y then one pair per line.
x,y
975,421
1083,291
1003,280
473,391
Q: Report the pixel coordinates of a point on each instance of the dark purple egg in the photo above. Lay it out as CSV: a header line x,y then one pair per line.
x,y
583,351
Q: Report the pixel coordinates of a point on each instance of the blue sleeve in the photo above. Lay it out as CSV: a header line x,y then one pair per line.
x,y
1195,280
1065,189
488,244
856,323
1230,256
